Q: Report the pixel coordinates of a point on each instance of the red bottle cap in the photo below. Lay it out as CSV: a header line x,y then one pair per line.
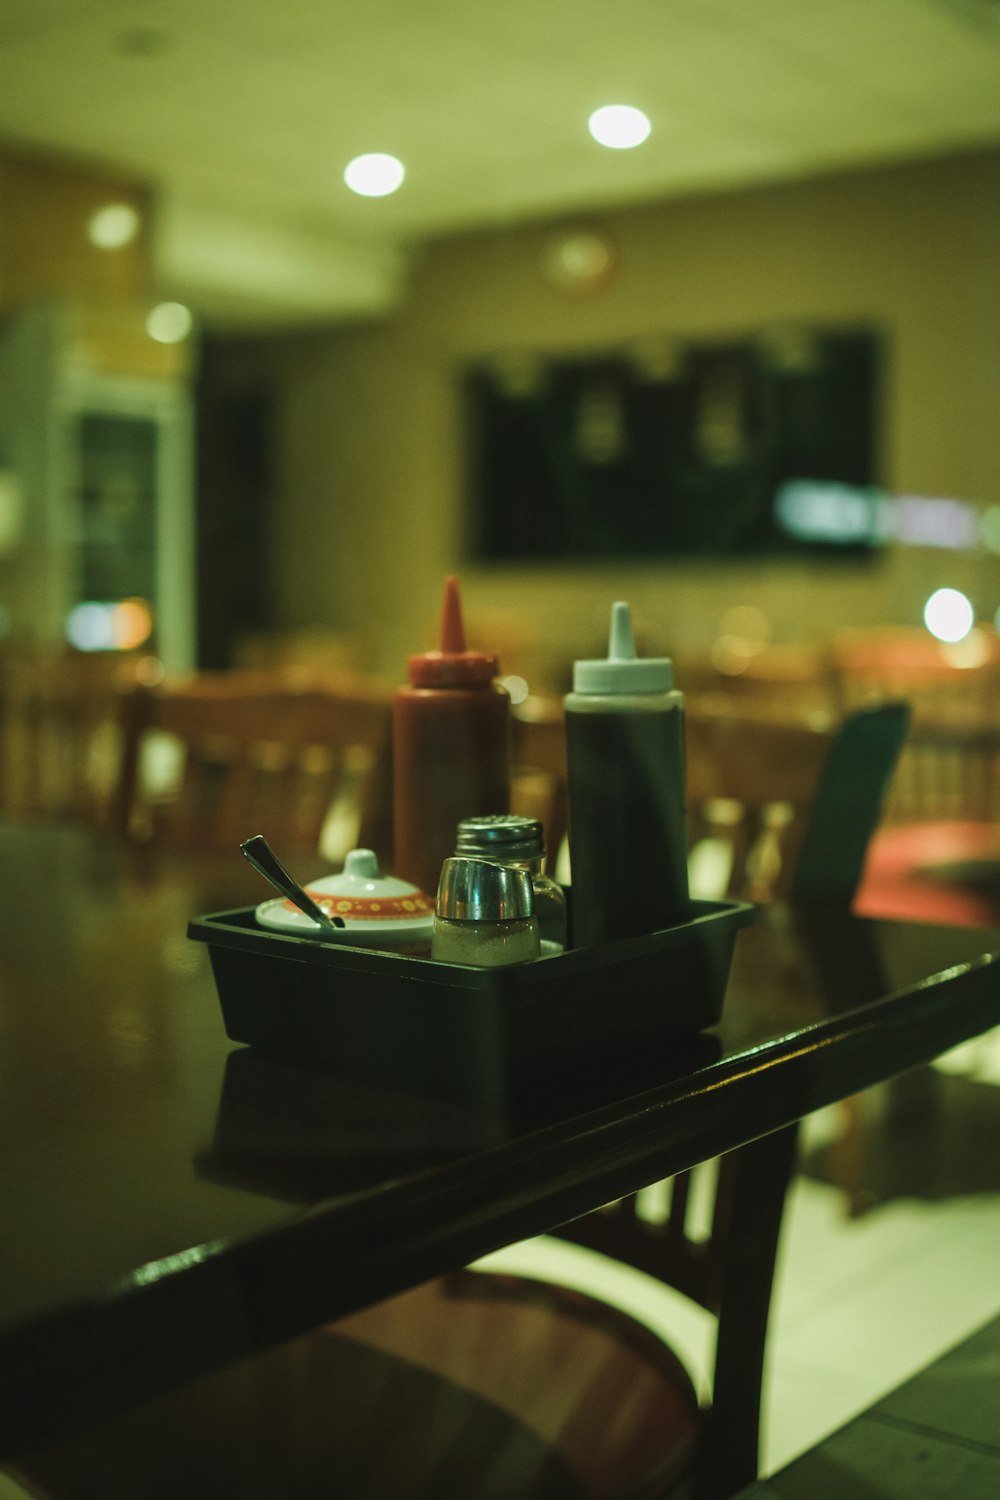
x,y
453,665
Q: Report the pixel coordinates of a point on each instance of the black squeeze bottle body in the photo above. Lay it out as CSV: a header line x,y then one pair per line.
x,y
627,793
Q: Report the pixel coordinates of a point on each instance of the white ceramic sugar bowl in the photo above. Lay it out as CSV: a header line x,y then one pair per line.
x,y
377,911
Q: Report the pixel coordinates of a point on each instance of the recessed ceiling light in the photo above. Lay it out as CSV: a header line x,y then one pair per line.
x,y
169,323
112,226
375,175
619,126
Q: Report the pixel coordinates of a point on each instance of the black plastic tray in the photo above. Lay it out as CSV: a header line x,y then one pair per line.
x,y
450,1031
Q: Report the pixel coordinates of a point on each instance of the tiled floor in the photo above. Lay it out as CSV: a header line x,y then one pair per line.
x,y
860,1304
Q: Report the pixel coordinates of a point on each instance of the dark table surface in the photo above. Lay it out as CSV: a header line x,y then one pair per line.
x,y
173,1202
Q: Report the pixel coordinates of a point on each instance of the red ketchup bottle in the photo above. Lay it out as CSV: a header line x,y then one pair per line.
x,y
451,748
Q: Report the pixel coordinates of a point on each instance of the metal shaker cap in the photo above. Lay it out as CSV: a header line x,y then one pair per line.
x,y
477,890
501,836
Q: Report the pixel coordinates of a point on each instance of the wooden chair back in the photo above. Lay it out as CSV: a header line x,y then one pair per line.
x,y
949,769
213,758
728,1270
877,665
776,800
788,679
947,772
60,730
787,807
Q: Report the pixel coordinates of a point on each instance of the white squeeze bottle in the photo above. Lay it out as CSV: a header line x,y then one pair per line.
x,y
627,795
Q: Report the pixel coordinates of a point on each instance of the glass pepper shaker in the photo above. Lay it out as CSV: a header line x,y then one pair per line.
x,y
518,841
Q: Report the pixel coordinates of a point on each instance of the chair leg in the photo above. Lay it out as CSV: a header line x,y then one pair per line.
x,y
761,1171
848,1157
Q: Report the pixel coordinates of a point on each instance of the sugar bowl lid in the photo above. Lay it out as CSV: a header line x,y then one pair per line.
x,y
377,911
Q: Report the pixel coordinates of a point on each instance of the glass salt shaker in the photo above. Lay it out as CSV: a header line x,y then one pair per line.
x,y
518,841
484,915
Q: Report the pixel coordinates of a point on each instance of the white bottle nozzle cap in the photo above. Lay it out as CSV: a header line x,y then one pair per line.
x,y
621,641
623,671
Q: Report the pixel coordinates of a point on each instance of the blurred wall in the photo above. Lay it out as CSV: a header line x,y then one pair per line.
x,y
368,472
75,352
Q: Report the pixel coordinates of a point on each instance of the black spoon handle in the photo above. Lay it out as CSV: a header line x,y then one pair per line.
x,y
263,858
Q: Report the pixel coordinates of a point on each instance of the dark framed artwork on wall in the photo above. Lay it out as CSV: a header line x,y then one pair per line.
x,y
765,446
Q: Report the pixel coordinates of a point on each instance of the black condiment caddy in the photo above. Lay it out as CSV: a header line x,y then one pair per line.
x,y
454,1032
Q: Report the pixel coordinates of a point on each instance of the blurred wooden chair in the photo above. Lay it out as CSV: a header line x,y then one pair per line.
x,y
781,807
937,855
319,649
60,730
758,781
944,679
803,806
213,758
948,771
792,679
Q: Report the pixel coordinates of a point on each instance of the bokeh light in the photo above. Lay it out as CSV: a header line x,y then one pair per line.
x,y
89,627
109,625
517,688
374,175
989,528
114,225
972,651
169,323
619,126
131,624
949,615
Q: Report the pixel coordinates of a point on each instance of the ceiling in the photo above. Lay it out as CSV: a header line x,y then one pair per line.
x,y
243,114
